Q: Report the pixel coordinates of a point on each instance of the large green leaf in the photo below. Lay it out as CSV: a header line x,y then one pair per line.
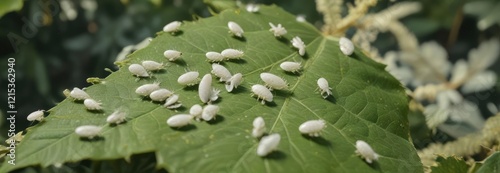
x,y
367,104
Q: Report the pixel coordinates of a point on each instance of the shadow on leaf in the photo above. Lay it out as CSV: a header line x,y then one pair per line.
x,y
180,62
240,89
94,139
184,128
217,119
276,155
243,39
319,140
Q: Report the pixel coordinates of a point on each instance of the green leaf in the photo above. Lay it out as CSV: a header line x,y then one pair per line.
x,y
450,164
491,164
367,104
7,6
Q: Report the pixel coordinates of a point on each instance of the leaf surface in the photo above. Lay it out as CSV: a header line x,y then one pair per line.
x,y
367,104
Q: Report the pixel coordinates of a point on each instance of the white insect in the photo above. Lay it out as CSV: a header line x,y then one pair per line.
x,y
365,151
116,117
205,91
312,127
37,115
290,66
172,26
268,144
152,65
196,111
221,72
235,29
160,95
273,81
262,93
179,120
172,55
214,95
209,112
300,18
346,46
299,44
92,105
188,78
78,94
214,56
234,82
324,87
259,127
88,131
232,53
252,8
171,102
138,70
277,30
146,89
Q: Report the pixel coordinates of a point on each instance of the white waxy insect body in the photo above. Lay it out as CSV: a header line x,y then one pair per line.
x,y
172,26
78,94
92,105
234,82
278,31
172,100
312,127
179,120
259,127
88,131
252,8
273,81
366,151
232,53
116,117
214,95
147,89
299,44
262,93
221,72
160,95
324,87
172,55
138,70
235,29
152,65
37,115
214,56
205,88
209,112
268,144
196,111
346,46
188,78
300,18
290,66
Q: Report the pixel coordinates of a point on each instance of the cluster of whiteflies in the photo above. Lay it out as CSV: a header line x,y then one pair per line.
x,y
208,94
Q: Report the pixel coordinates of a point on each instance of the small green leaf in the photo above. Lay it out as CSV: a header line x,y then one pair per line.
x,y
367,104
450,164
7,6
492,164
